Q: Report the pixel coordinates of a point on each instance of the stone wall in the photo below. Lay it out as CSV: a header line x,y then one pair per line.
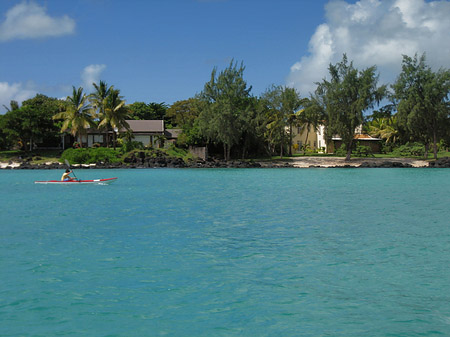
x,y
200,152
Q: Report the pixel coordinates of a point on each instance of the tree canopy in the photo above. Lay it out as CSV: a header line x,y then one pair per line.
x,y
226,98
31,123
142,110
422,96
78,113
345,97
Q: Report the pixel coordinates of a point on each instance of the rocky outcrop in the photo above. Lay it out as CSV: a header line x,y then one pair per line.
x,y
441,163
384,164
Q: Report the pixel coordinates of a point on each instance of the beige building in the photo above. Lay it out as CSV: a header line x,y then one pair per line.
x,y
312,139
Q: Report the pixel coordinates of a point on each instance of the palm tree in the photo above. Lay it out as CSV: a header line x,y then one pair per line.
x,y
77,114
98,101
13,105
385,128
310,117
115,114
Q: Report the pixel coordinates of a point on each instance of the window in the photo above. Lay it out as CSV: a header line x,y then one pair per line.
x,y
98,138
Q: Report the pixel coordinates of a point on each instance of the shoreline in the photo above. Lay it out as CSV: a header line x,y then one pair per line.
x,y
298,162
327,162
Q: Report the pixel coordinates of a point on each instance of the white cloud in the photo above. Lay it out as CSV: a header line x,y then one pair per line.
x,y
375,32
16,92
91,74
28,20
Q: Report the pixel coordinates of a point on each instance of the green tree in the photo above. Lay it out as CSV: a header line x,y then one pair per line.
x,y
115,114
184,114
385,128
98,97
150,111
422,97
383,112
5,141
6,135
13,105
77,115
32,123
345,97
226,100
254,124
283,103
98,101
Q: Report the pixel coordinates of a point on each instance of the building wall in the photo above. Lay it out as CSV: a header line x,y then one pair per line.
x,y
315,140
144,139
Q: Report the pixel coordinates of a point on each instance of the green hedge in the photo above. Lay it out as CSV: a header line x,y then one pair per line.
x,y
91,155
410,150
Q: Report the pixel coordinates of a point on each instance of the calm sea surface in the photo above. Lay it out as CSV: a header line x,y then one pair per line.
x,y
252,252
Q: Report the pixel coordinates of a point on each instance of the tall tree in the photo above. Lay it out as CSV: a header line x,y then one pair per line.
x,y
115,114
345,97
184,114
98,101
32,123
283,103
144,111
423,100
226,100
385,128
77,115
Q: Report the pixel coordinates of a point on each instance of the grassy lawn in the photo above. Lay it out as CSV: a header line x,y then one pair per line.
x,y
430,155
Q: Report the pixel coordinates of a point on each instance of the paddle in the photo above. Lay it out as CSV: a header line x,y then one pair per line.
x,y
68,165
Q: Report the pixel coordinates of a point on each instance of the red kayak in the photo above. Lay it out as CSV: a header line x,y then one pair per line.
x,y
77,182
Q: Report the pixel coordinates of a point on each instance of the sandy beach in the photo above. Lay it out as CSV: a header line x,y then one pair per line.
x,y
354,162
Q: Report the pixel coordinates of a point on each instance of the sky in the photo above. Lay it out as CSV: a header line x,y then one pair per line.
x,y
165,50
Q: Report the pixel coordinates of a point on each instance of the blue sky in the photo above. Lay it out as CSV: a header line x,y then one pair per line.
x,y
165,50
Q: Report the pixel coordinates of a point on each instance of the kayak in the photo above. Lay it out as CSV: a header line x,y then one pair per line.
x,y
77,182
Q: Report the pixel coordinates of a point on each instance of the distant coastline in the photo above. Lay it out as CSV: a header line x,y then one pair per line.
x,y
298,162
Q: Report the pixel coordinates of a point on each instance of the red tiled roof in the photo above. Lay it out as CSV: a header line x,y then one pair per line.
x,y
359,136
362,136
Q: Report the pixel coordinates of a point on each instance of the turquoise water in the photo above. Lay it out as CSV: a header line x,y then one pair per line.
x,y
252,252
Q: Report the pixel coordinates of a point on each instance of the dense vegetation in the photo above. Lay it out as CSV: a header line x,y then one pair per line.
x,y
227,118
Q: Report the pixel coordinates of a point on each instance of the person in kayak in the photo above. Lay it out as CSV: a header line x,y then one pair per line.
x,y
66,176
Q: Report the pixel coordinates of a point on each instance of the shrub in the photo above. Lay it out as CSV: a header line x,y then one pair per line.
x,y
362,151
132,145
409,150
341,152
90,155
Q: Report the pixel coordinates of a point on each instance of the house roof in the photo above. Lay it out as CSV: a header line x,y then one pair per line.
x,y
359,136
173,133
137,126
145,126
363,136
